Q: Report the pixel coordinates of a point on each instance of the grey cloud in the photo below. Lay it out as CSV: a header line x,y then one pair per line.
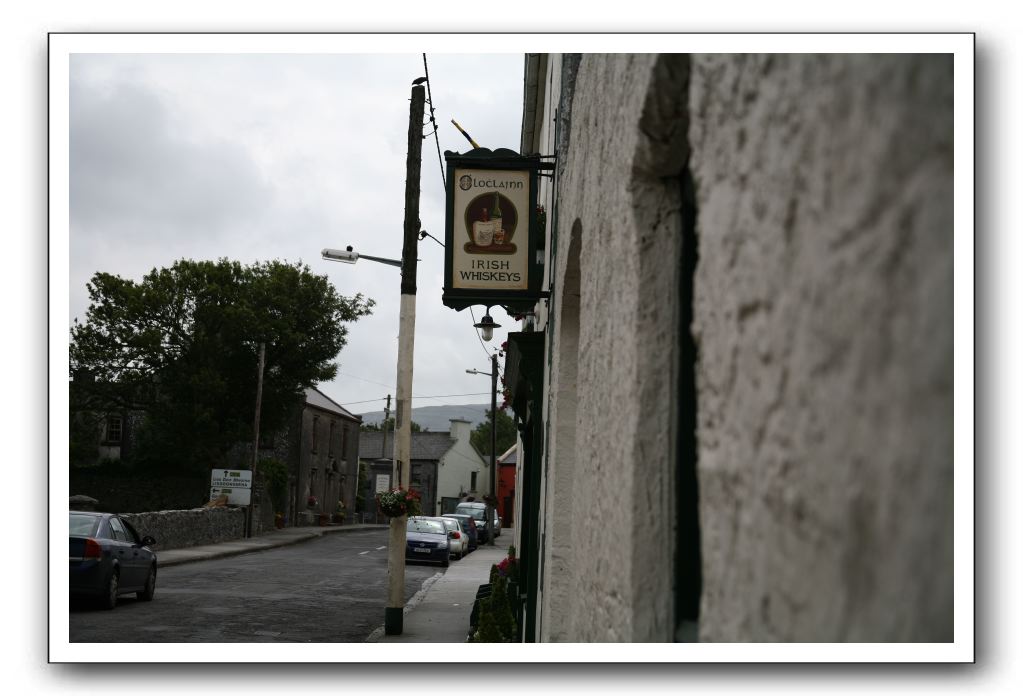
x,y
161,169
130,171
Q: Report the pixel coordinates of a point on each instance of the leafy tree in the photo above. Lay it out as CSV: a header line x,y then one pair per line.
x,y
182,345
377,427
506,432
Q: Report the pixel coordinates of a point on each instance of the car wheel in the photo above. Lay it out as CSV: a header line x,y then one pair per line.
x,y
146,595
446,562
109,600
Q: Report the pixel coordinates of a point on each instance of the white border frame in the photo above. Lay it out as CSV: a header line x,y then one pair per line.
x,y
961,46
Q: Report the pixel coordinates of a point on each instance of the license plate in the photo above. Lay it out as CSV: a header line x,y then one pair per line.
x,y
418,550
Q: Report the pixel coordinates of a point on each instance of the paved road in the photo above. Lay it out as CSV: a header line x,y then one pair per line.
x,y
331,589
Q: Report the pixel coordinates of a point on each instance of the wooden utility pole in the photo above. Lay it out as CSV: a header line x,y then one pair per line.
x,y
387,416
393,619
491,509
255,436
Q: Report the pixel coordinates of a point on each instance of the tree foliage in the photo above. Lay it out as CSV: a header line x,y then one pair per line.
x,y
506,433
182,345
275,477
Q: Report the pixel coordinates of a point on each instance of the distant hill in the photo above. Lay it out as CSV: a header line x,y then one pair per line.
x,y
438,418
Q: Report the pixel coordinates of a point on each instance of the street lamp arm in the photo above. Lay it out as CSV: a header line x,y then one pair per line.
x,y
389,262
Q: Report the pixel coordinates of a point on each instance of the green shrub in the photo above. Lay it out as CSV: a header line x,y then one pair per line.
x,y
488,631
275,474
501,610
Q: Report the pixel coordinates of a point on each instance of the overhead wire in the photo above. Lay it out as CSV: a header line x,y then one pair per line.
x,y
436,138
437,396
444,182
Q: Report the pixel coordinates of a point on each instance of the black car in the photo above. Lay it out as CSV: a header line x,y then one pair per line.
x,y
468,526
427,540
109,559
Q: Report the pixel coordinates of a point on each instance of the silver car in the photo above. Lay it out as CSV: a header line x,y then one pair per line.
x,y
458,541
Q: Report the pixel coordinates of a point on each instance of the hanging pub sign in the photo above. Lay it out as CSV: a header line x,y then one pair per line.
x,y
492,236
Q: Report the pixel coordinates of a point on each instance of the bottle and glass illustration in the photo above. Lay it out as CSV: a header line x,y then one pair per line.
x,y
490,220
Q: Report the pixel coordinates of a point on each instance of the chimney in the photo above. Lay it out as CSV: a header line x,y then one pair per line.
x,y
460,429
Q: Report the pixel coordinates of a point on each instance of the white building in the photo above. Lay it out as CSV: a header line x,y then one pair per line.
x,y
445,466
737,401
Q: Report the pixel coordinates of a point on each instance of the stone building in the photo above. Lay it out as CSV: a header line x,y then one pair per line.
x,y
319,445
322,454
736,404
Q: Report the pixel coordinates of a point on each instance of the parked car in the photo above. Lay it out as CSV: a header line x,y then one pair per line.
x,y
478,511
109,559
468,525
426,539
458,541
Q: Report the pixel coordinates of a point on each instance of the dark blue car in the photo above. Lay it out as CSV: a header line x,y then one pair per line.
x,y
468,527
427,540
109,559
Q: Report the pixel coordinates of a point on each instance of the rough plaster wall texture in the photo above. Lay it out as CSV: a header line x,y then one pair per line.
x,y
175,529
622,590
560,481
822,316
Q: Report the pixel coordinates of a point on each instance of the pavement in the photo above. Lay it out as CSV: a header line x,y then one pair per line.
x,y
438,613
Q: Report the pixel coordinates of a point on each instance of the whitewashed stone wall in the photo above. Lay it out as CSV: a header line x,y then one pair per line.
x,y
823,300
175,529
613,581
824,319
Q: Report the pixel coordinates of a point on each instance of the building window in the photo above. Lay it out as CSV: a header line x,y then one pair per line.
x,y
472,484
330,441
113,434
316,424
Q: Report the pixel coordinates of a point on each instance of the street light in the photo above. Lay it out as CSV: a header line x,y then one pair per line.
x,y
402,467
493,435
349,256
402,462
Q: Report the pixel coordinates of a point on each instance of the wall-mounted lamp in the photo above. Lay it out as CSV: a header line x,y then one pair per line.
x,y
487,326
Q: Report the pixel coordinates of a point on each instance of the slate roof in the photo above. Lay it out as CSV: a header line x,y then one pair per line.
x,y
314,397
428,446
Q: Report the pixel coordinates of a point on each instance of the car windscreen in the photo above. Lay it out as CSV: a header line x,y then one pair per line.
x,y
81,525
425,527
476,513
450,524
466,524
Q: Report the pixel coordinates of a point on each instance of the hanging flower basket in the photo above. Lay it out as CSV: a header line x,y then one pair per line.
x,y
398,502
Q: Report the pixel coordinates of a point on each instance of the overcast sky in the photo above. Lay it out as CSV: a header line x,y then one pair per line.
x,y
275,156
